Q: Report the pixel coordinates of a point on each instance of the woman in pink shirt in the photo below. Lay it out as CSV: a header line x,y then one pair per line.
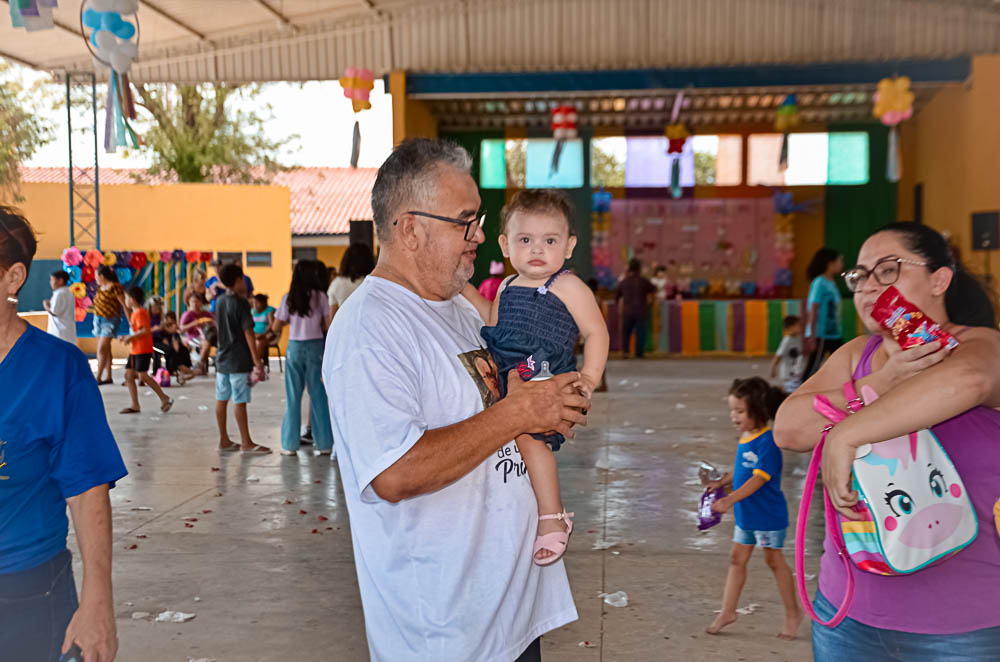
x,y
306,312
951,610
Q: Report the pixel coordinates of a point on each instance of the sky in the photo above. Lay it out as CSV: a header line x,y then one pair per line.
x,y
316,110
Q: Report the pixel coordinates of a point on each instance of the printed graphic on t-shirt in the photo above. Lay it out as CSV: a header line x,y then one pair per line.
x,y
749,460
484,373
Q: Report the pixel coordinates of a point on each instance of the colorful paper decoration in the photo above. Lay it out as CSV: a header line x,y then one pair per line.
x,y
32,15
786,119
138,260
357,83
114,43
166,256
124,275
79,290
75,274
72,257
677,134
563,129
206,256
193,256
87,274
178,256
153,256
893,104
93,258
110,259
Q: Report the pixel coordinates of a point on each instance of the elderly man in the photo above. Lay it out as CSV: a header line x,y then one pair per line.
x,y
442,514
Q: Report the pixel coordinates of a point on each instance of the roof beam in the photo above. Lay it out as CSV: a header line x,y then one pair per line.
x,y
284,20
17,60
372,8
62,26
173,19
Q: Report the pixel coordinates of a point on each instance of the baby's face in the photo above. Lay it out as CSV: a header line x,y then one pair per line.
x,y
537,243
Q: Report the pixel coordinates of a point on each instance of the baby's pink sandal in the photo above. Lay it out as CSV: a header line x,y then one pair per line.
x,y
554,542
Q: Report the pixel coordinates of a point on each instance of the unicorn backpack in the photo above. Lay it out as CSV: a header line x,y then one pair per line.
x,y
915,509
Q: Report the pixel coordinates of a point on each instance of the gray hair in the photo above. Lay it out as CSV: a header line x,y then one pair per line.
x,y
408,177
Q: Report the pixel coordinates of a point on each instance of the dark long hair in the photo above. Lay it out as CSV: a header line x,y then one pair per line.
x,y
17,239
821,260
107,273
304,283
967,300
761,398
357,262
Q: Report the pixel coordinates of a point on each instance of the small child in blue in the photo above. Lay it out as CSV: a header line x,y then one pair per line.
x,y
535,321
761,512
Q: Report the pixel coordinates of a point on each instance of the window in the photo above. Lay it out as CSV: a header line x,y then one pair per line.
x,y
527,163
260,258
229,258
502,163
814,159
607,162
647,163
718,160
303,253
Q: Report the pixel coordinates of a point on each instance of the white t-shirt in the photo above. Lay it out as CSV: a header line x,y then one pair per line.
x,y
62,315
446,575
792,364
341,288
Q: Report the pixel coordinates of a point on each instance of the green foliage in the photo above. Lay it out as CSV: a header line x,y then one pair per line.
x,y
607,170
198,135
704,168
21,131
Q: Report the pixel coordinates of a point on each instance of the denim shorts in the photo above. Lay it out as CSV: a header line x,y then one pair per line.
x,y
235,386
858,642
771,539
104,327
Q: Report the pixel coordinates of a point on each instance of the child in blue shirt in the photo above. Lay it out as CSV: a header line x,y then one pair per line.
x,y
759,506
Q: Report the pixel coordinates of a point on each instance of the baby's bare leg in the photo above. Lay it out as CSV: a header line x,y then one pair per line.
x,y
541,464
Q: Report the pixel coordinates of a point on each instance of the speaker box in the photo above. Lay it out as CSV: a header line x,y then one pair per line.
x,y
363,232
986,231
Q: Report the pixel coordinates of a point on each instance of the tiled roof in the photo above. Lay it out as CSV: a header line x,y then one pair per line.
x,y
323,200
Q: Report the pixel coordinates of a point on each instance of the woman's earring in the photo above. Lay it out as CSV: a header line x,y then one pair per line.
x,y
12,300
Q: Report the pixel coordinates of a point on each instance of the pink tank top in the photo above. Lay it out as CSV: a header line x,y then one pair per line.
x,y
961,594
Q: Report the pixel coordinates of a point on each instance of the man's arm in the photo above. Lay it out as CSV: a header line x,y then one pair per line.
x,y
92,627
442,456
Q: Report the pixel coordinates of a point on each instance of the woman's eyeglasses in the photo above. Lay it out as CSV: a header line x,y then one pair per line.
x,y
471,227
886,272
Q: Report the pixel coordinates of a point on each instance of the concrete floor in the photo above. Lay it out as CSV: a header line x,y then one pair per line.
x,y
265,559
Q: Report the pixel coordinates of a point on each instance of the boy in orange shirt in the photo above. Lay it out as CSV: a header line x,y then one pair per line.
x,y
142,353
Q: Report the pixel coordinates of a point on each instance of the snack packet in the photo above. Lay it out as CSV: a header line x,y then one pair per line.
x,y
909,326
707,518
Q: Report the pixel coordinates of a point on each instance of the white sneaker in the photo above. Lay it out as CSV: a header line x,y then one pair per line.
x,y
326,452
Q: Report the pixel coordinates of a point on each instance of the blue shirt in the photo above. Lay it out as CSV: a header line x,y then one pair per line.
x,y
215,284
765,509
827,323
55,443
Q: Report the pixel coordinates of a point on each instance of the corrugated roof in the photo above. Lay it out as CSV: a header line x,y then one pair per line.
x,y
323,200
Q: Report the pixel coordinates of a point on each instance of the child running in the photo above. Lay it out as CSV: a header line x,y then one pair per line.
x,y
535,320
141,353
760,509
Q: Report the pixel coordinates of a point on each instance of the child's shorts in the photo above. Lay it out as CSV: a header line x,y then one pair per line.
x,y
139,362
235,386
770,539
104,327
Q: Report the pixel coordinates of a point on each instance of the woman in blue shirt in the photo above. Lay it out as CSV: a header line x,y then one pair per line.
x,y
823,332
56,449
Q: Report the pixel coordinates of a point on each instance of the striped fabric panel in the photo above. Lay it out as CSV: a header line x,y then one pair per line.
x,y
676,327
756,324
663,343
722,326
739,317
689,328
706,326
775,318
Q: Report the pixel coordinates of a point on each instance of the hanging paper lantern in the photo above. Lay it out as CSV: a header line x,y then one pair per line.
x,y
206,256
192,256
75,274
88,274
79,290
893,104
72,257
357,83
153,256
93,258
110,259
138,260
786,119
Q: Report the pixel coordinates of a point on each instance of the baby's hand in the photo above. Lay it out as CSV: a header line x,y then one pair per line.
x,y
723,505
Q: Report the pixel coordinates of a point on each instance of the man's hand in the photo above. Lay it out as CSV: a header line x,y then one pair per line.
x,y
553,405
92,628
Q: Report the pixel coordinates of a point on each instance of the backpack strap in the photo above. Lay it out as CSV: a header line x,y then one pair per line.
x,y
823,405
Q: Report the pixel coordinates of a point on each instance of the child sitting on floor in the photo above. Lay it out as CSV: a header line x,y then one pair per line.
x,y
761,512
177,356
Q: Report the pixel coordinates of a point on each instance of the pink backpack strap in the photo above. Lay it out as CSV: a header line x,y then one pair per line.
x,y
823,405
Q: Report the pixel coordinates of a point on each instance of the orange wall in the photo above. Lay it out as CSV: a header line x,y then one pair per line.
x,y
189,216
411,118
330,255
951,147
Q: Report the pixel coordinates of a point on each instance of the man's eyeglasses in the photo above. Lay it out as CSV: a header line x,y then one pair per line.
x,y
886,272
471,227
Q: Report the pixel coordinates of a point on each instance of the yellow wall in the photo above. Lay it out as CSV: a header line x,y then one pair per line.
x,y
209,217
951,147
411,118
330,255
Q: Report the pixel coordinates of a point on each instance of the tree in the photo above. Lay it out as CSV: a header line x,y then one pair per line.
x,y
704,168
199,136
608,171
21,131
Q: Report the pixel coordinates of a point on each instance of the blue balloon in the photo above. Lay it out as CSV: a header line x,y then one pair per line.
x,y
93,38
110,21
125,31
92,19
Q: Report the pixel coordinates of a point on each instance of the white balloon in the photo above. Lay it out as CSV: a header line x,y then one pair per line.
x,y
98,65
106,42
129,48
100,5
125,6
120,62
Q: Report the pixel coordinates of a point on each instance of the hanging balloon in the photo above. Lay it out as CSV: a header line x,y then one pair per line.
x,y
563,129
893,104
786,119
357,84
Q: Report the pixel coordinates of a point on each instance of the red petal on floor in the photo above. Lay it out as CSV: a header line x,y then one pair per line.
x,y
288,501
206,511
592,531
134,547
216,469
315,530
323,518
138,464
317,481
329,528
188,525
302,512
190,519
142,536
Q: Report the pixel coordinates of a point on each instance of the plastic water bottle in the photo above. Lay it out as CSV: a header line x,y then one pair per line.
x,y
543,374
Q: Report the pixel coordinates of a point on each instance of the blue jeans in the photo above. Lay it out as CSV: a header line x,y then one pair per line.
x,y
36,605
304,369
857,642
